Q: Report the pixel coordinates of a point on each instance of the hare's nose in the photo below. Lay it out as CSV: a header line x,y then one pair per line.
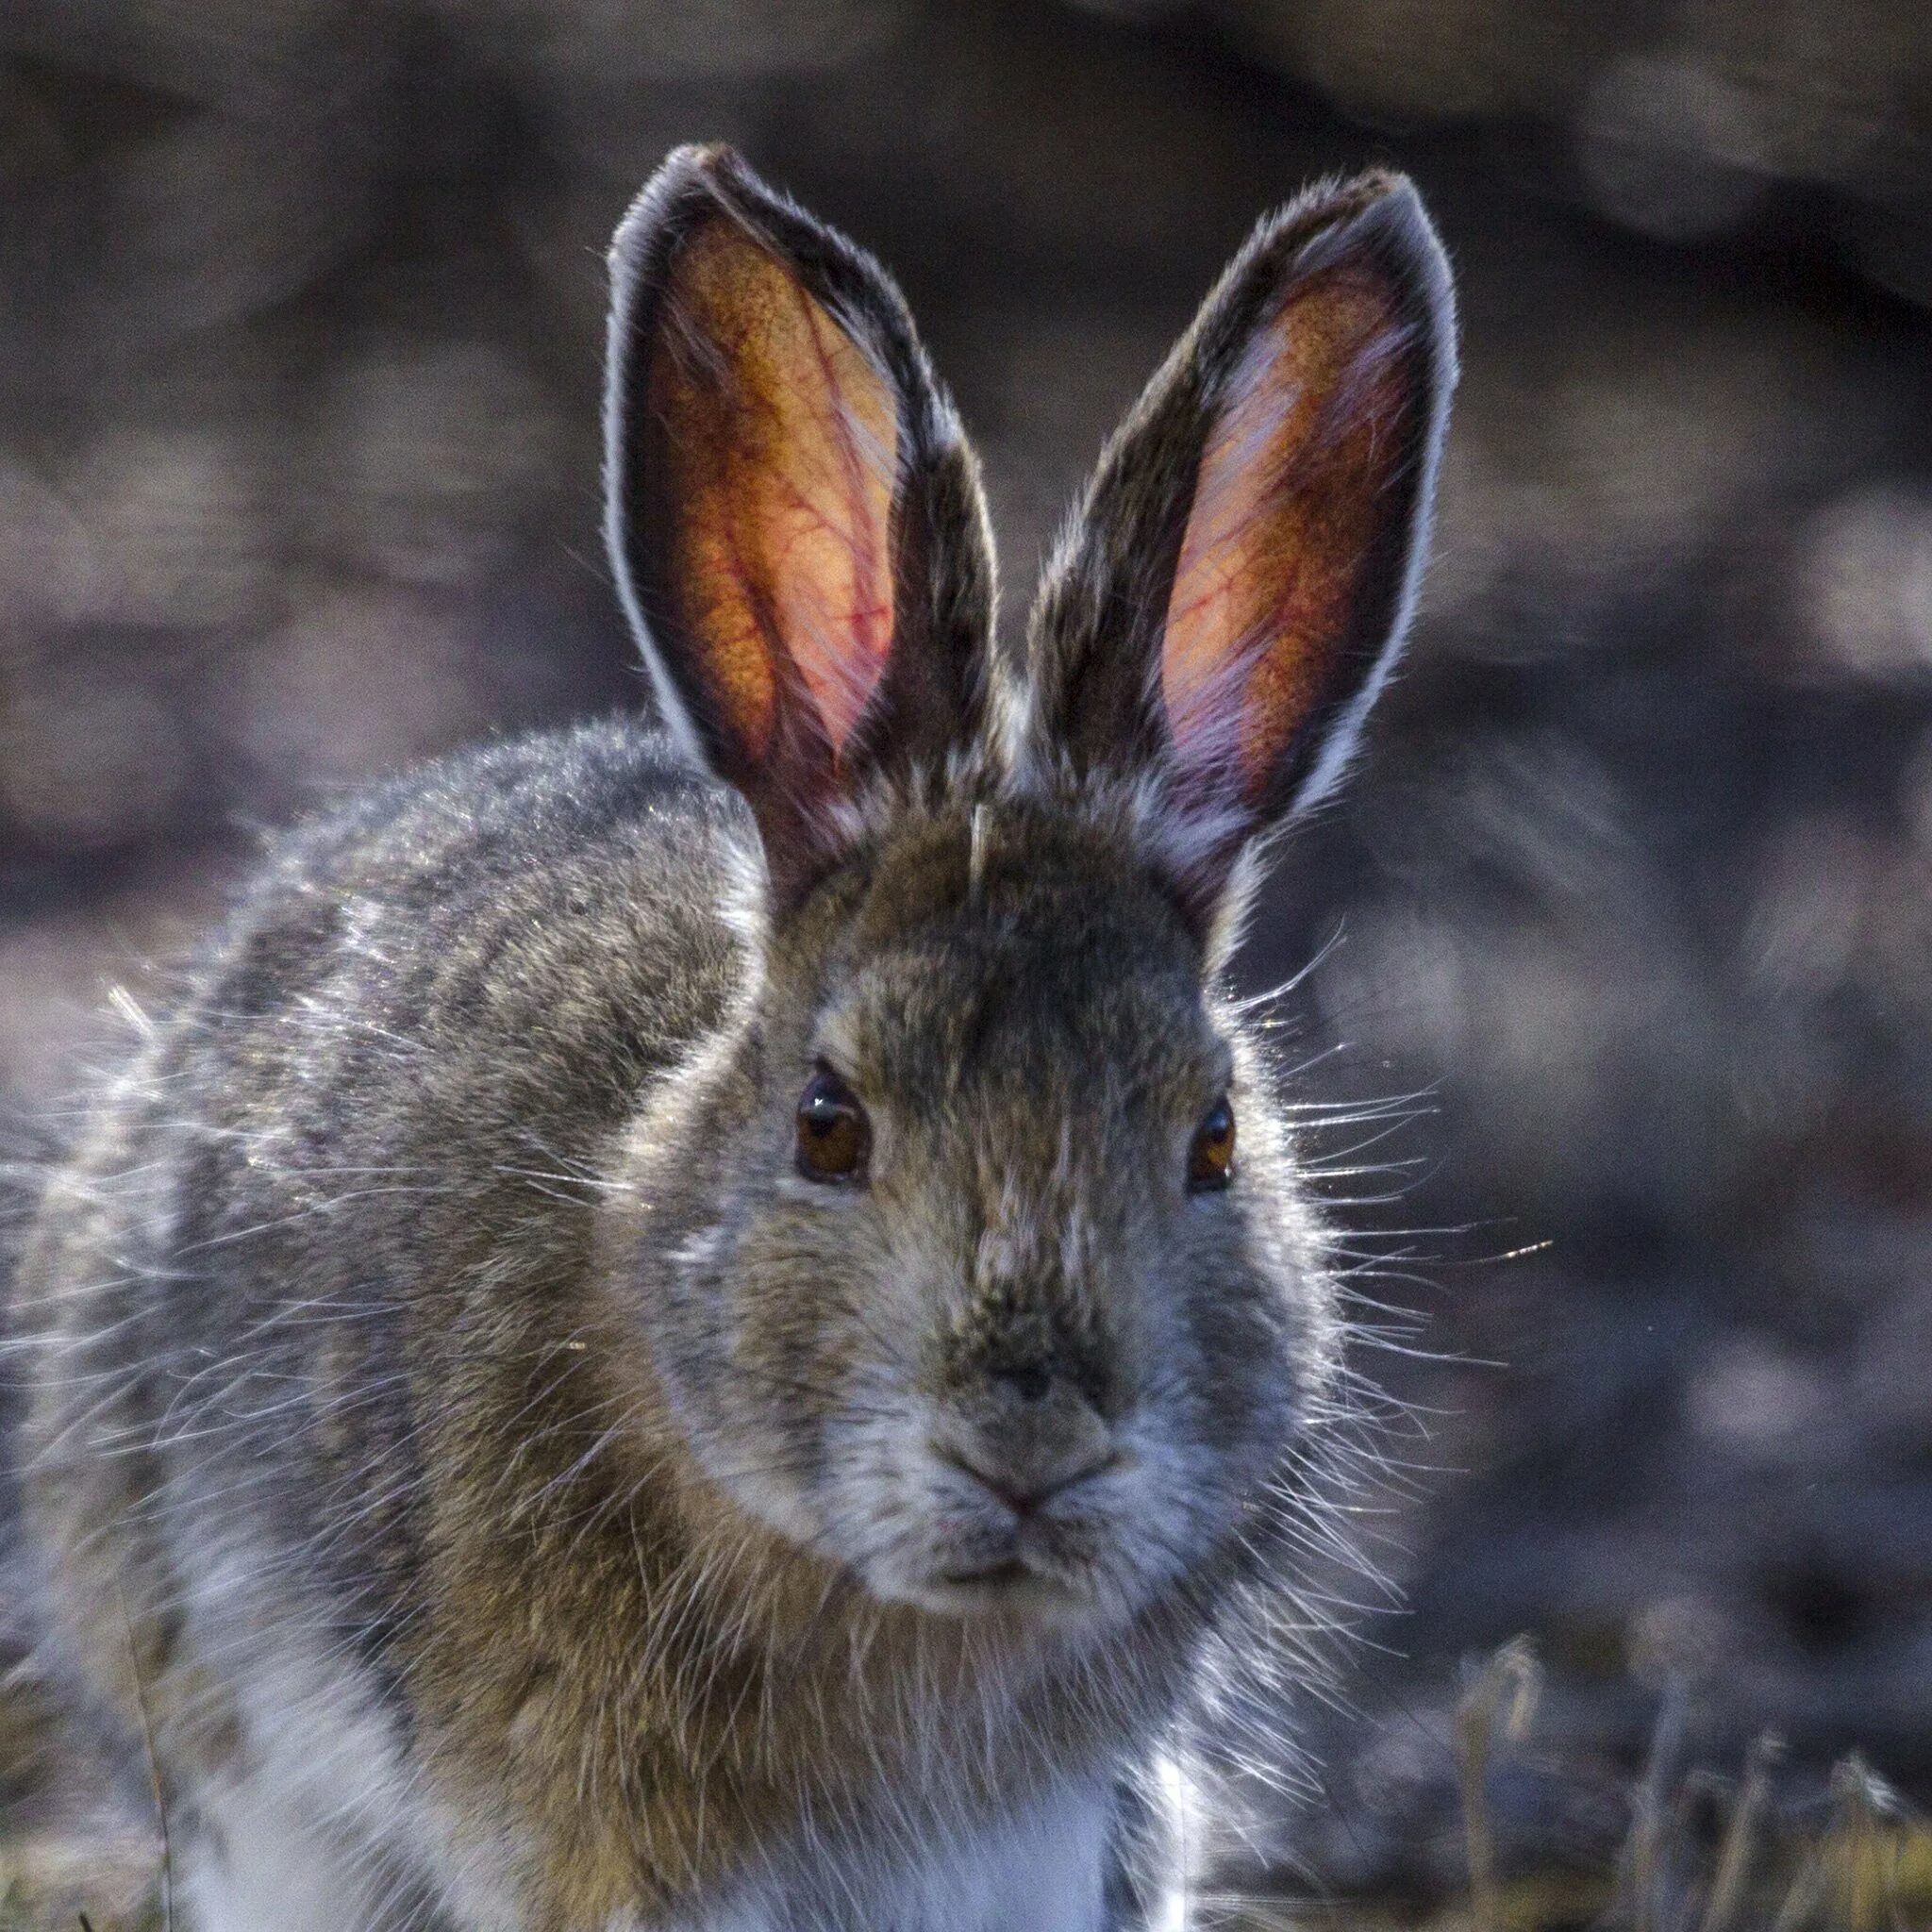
x,y
1024,1491
1029,1446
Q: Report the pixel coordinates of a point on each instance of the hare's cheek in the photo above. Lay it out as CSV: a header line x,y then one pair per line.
x,y
1228,1374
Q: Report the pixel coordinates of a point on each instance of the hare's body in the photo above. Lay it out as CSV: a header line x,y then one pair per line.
x,y
208,1445
622,1364
256,1276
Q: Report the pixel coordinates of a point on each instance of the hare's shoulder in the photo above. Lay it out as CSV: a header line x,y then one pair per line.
x,y
534,901
605,797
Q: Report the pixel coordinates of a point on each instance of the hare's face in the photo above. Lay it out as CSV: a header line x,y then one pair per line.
x,y
1010,1312
929,1285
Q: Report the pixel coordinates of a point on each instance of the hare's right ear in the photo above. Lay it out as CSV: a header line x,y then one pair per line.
x,y
1238,581
793,513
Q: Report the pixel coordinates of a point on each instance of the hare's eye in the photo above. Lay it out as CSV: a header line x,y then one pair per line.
x,y
1210,1160
834,1136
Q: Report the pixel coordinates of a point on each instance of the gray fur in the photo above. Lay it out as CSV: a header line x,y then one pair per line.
x,y
499,1465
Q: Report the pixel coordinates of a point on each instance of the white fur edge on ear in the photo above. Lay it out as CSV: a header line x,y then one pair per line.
x,y
928,417
1414,237
680,172
1032,765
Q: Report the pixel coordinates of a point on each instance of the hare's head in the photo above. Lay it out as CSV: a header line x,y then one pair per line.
x,y
974,1259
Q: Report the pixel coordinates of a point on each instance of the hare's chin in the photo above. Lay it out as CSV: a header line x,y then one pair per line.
x,y
1009,1590
1035,1573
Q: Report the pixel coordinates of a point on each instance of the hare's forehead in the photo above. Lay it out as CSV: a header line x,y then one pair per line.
x,y
1085,1014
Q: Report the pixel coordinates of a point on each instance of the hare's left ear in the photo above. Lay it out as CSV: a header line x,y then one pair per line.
x,y
1236,584
793,515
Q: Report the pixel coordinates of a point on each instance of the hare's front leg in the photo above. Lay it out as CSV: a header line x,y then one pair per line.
x,y
1045,1871
1042,1870
255,1863
1050,1870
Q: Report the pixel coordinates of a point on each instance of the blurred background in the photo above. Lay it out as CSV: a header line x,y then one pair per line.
x,y
300,324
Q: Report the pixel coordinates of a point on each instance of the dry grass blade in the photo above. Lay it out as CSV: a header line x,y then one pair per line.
x,y
154,1770
1807,1888
1646,1860
1866,1847
1505,1686
1731,1881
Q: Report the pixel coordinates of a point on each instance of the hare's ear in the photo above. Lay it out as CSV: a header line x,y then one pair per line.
x,y
793,513
1236,583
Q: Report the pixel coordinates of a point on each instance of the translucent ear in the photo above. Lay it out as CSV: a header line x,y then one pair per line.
x,y
793,517
1243,568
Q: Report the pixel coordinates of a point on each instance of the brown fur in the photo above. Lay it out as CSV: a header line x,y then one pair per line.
x,y
435,1324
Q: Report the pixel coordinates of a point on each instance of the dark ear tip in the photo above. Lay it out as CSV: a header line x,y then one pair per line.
x,y
716,164
1379,213
1381,210
698,175
1338,201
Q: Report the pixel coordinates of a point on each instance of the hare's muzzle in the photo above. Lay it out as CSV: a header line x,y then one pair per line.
x,y
1031,1442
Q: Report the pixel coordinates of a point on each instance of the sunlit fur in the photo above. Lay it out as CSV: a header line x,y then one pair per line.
x,y
520,1500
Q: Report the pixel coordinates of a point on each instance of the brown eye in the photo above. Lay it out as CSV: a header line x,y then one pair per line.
x,y
1210,1160
834,1136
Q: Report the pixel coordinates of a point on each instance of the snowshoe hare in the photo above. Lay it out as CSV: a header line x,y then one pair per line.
x,y
694,1328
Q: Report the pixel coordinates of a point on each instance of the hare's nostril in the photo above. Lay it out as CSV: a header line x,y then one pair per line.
x,y
1029,1381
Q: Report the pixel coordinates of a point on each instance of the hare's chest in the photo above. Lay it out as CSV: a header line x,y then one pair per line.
x,y
1041,1871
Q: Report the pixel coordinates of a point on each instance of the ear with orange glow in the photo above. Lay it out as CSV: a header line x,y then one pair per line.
x,y
793,516
1244,567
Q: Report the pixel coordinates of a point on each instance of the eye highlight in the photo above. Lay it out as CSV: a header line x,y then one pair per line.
x,y
833,1135
1210,1159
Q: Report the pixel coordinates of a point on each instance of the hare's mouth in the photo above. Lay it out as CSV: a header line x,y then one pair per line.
x,y
929,1515
1010,1585
990,1576
1049,1567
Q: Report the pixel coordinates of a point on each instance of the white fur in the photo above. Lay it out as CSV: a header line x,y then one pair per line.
x,y
267,1866
318,1826
261,1866
1041,1872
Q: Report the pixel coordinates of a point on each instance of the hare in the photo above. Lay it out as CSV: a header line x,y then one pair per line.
x,y
692,1330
